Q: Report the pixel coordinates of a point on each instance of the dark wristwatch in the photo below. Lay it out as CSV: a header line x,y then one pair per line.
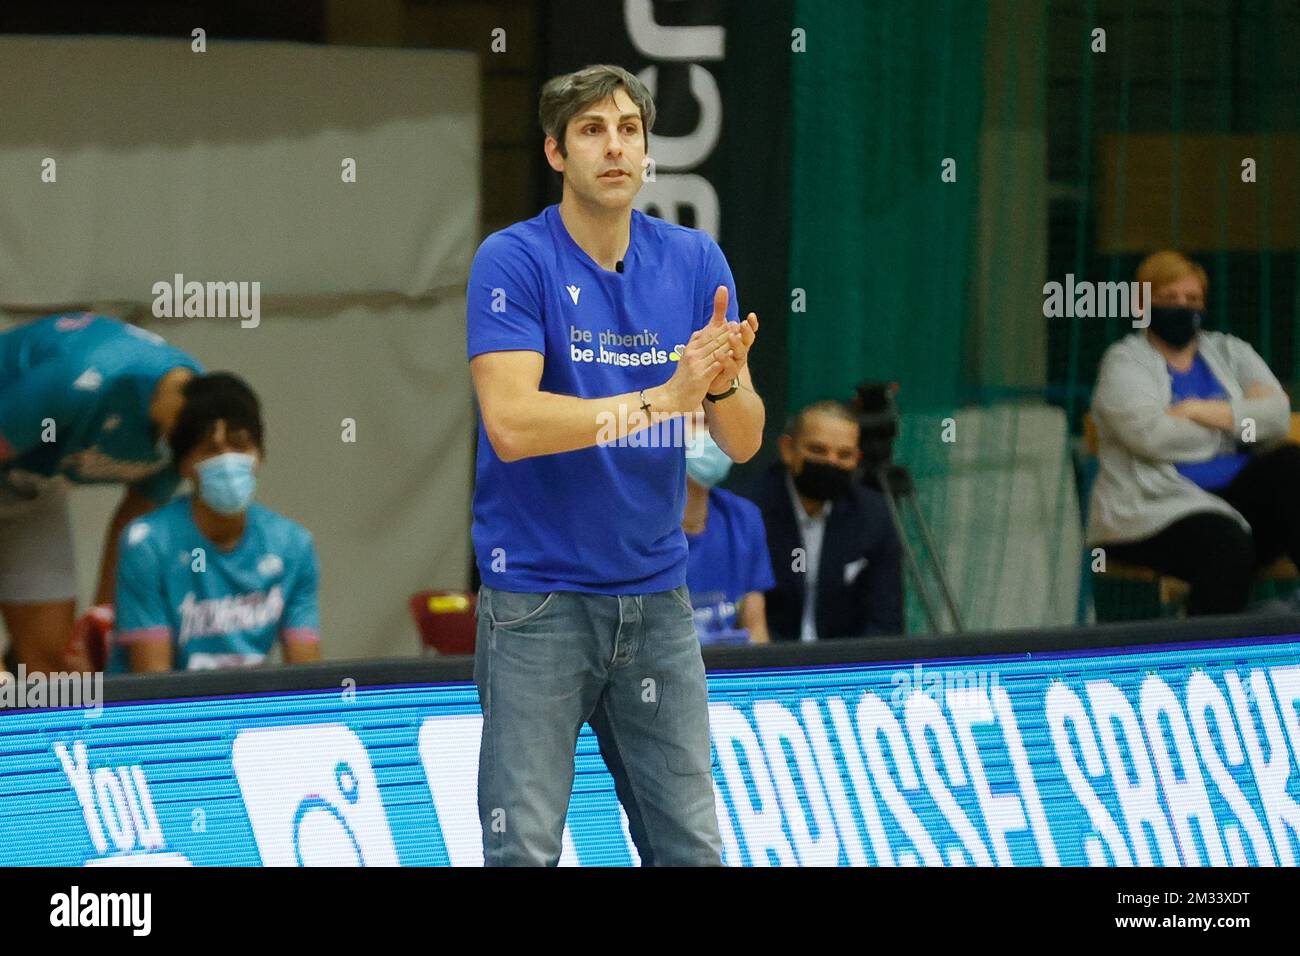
x,y
735,385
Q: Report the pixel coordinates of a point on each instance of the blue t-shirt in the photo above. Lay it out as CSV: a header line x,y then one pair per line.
x,y
74,404
605,519
728,560
232,611
1199,382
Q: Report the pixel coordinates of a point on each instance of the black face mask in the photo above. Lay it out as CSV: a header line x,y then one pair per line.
x,y
1175,324
822,481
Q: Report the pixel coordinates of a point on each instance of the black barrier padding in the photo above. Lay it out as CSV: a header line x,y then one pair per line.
x,y
333,675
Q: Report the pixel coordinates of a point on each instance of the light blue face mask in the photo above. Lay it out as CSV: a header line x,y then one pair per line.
x,y
227,482
705,461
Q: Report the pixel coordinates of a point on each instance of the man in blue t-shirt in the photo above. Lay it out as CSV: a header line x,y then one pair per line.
x,y
83,399
213,579
729,567
593,329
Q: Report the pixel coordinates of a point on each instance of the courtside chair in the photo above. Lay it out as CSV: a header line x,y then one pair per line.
x,y
444,620
1171,592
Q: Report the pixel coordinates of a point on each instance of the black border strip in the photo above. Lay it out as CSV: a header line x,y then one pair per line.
x,y
429,670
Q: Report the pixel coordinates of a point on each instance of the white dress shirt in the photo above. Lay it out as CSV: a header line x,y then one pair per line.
x,y
812,529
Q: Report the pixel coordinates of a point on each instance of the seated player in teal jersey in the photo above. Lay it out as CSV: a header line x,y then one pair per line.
x,y
728,568
213,579
83,399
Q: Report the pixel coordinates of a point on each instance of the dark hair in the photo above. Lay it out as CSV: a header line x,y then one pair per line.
x,y
563,97
209,399
832,407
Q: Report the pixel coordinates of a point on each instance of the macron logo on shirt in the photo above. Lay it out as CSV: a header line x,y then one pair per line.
x,y
573,293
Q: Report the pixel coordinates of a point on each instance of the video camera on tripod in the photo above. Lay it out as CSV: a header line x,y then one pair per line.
x,y
878,421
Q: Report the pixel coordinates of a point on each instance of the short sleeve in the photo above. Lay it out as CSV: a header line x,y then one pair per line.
x,y
301,622
716,272
38,397
759,576
140,605
503,307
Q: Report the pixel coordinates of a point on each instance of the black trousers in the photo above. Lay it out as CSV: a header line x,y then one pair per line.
x,y
1212,552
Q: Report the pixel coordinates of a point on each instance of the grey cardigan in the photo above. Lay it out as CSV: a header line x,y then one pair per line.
x,y
1138,491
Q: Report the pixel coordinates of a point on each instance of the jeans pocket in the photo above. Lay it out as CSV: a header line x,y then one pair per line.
x,y
682,595
682,724
507,609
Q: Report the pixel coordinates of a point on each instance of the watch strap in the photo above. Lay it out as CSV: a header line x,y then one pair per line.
x,y
735,386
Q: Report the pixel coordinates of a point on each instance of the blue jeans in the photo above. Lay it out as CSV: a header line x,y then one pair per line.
x,y
631,666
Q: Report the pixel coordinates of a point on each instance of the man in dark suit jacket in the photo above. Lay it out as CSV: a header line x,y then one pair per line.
x,y
828,533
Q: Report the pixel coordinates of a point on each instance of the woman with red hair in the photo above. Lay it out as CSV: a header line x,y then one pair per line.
x,y
1194,481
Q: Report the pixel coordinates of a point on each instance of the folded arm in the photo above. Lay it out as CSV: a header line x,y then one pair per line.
x,y
523,421
1125,401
